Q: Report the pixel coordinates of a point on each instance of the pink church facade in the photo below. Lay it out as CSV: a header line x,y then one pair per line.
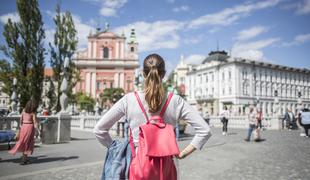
x,y
108,62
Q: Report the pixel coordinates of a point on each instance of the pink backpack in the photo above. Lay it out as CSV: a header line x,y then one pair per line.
x,y
156,148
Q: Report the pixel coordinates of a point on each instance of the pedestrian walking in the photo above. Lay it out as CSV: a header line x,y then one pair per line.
x,y
258,125
304,121
224,119
289,120
28,124
252,117
292,120
140,109
206,117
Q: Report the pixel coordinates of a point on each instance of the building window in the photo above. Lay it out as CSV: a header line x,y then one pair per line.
x,y
223,76
230,91
223,91
245,89
229,75
132,49
206,77
244,74
212,77
105,52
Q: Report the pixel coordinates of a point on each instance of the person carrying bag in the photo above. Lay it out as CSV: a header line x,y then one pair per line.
x,y
152,140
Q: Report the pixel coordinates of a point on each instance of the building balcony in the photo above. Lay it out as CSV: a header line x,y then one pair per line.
x,y
106,63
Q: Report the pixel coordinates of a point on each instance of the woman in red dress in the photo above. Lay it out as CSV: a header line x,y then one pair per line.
x,y
28,122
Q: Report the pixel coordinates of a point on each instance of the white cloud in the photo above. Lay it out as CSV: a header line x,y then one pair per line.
x,y
303,7
83,30
252,50
181,9
251,32
105,11
156,35
299,39
194,59
231,15
193,40
110,7
13,16
213,30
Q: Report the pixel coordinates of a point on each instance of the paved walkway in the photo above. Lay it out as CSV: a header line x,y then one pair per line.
x,y
283,155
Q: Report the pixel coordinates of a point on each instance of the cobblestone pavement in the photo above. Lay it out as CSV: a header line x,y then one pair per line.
x,y
282,155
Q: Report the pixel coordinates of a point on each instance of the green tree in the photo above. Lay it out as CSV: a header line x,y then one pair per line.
x,y
112,95
64,45
85,102
24,46
6,77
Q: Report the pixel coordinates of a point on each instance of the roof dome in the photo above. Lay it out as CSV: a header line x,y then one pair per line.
x,y
216,56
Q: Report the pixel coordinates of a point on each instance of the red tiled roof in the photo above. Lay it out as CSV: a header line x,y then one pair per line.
x,y
48,72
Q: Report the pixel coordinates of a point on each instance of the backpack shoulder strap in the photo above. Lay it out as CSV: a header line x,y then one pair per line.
x,y
141,106
166,104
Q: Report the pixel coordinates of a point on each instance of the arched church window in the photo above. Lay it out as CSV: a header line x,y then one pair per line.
x,y
105,52
132,49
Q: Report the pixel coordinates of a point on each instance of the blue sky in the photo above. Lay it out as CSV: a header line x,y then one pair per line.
x,y
277,31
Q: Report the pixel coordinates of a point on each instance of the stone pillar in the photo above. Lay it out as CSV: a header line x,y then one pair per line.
x,y
87,83
122,80
94,49
93,84
116,78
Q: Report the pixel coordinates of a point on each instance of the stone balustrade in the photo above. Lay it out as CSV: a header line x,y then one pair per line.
x,y
87,123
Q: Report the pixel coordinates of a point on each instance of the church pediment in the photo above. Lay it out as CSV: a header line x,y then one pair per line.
x,y
107,35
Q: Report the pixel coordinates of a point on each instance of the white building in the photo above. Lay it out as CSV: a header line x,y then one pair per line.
x,y
237,83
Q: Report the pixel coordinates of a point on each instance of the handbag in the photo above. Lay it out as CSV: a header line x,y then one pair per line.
x,y
118,158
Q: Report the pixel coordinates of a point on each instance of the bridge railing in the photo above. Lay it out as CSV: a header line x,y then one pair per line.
x,y
269,122
87,122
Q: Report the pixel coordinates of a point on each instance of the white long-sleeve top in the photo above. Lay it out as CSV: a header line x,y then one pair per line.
x,y
128,106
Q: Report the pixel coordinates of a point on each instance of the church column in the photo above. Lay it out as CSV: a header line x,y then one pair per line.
x,y
110,53
116,77
122,80
94,85
94,49
87,83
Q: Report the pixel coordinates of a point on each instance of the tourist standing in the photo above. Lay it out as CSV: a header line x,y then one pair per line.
x,y
224,119
252,123
28,123
152,99
304,121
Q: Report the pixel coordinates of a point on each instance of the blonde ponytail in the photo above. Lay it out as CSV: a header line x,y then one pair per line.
x,y
154,71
